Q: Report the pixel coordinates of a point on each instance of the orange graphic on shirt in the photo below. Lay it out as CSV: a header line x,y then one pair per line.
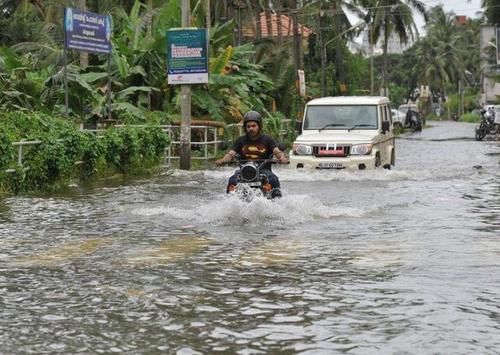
x,y
257,151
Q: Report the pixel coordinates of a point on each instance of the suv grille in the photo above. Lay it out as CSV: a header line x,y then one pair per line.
x,y
331,150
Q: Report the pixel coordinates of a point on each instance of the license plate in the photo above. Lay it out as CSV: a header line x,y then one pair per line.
x,y
330,165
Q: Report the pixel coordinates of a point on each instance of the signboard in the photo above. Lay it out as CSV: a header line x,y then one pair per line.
x,y
302,83
86,31
187,56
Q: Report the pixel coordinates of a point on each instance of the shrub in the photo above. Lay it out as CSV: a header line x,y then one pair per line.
x,y
66,152
470,117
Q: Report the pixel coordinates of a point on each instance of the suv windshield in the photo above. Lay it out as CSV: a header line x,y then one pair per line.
x,y
326,117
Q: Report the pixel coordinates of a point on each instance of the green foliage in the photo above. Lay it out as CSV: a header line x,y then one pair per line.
x,y
492,11
49,165
92,152
66,152
470,117
397,94
152,144
121,148
470,102
273,124
6,150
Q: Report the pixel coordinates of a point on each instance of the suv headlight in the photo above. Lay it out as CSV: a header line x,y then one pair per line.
x,y
301,149
361,149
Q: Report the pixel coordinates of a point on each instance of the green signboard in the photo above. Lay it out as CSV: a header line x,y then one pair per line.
x,y
187,56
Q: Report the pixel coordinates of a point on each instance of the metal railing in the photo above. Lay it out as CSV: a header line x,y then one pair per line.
x,y
20,152
208,139
209,135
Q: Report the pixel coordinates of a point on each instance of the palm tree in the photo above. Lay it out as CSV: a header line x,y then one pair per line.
x,y
386,17
439,53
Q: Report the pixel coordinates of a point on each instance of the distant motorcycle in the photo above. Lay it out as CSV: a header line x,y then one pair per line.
x,y
413,121
487,125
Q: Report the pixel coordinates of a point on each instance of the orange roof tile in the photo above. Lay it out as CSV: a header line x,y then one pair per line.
x,y
286,27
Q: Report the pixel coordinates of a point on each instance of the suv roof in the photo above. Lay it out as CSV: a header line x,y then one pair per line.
x,y
349,100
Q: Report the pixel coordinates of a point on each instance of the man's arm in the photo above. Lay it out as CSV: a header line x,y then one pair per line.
x,y
226,158
280,156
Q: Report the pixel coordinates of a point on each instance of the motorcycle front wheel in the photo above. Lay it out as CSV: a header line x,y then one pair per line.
x,y
481,132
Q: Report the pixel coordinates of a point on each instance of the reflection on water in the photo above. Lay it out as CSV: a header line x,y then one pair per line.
x,y
400,261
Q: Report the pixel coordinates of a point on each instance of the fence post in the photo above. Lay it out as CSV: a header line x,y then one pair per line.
x,y
20,155
206,146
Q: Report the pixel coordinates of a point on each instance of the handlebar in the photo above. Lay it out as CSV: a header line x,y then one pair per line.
x,y
260,162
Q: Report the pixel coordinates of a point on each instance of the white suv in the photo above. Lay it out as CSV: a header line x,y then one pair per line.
x,y
346,132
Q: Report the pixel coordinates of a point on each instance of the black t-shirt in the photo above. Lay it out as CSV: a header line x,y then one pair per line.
x,y
261,148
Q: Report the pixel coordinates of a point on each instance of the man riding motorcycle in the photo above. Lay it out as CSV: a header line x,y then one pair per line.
x,y
254,146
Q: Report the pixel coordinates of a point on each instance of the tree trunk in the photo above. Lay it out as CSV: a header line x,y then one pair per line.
x,y
278,23
258,34
297,43
269,23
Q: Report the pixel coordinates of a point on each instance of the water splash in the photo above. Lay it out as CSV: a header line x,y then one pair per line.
x,y
232,210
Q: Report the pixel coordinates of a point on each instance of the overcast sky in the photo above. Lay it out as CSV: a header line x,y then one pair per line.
x,y
459,7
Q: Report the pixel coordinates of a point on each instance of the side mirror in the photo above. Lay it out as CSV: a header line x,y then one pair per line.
x,y
385,126
223,145
298,126
281,146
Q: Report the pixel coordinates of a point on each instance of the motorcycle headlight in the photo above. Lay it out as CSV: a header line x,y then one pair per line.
x,y
249,172
301,149
361,149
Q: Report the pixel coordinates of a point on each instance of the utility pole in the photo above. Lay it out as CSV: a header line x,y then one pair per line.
x,y
370,32
296,37
322,46
297,43
339,65
84,56
185,137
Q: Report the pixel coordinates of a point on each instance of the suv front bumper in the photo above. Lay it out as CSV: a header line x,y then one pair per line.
x,y
353,162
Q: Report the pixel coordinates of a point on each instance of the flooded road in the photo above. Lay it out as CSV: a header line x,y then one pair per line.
x,y
404,261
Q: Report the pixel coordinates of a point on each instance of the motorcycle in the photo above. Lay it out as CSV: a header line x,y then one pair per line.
x,y
487,125
251,181
413,121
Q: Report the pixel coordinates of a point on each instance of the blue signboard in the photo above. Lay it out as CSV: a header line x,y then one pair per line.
x,y
86,31
187,56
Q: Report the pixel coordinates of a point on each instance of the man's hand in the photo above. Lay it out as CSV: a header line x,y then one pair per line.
x,y
226,158
283,159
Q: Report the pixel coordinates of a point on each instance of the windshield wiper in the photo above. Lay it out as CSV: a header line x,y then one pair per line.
x,y
330,125
360,125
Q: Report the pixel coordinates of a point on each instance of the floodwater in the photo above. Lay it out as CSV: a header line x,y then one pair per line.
x,y
405,261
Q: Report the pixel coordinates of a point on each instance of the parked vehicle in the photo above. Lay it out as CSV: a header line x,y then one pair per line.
x,y
351,132
414,107
413,120
398,119
487,125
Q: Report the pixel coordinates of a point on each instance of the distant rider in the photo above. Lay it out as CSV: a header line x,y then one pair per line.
x,y
254,146
412,120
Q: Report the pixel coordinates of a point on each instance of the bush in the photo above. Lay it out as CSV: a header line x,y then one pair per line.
x,y
470,117
66,152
